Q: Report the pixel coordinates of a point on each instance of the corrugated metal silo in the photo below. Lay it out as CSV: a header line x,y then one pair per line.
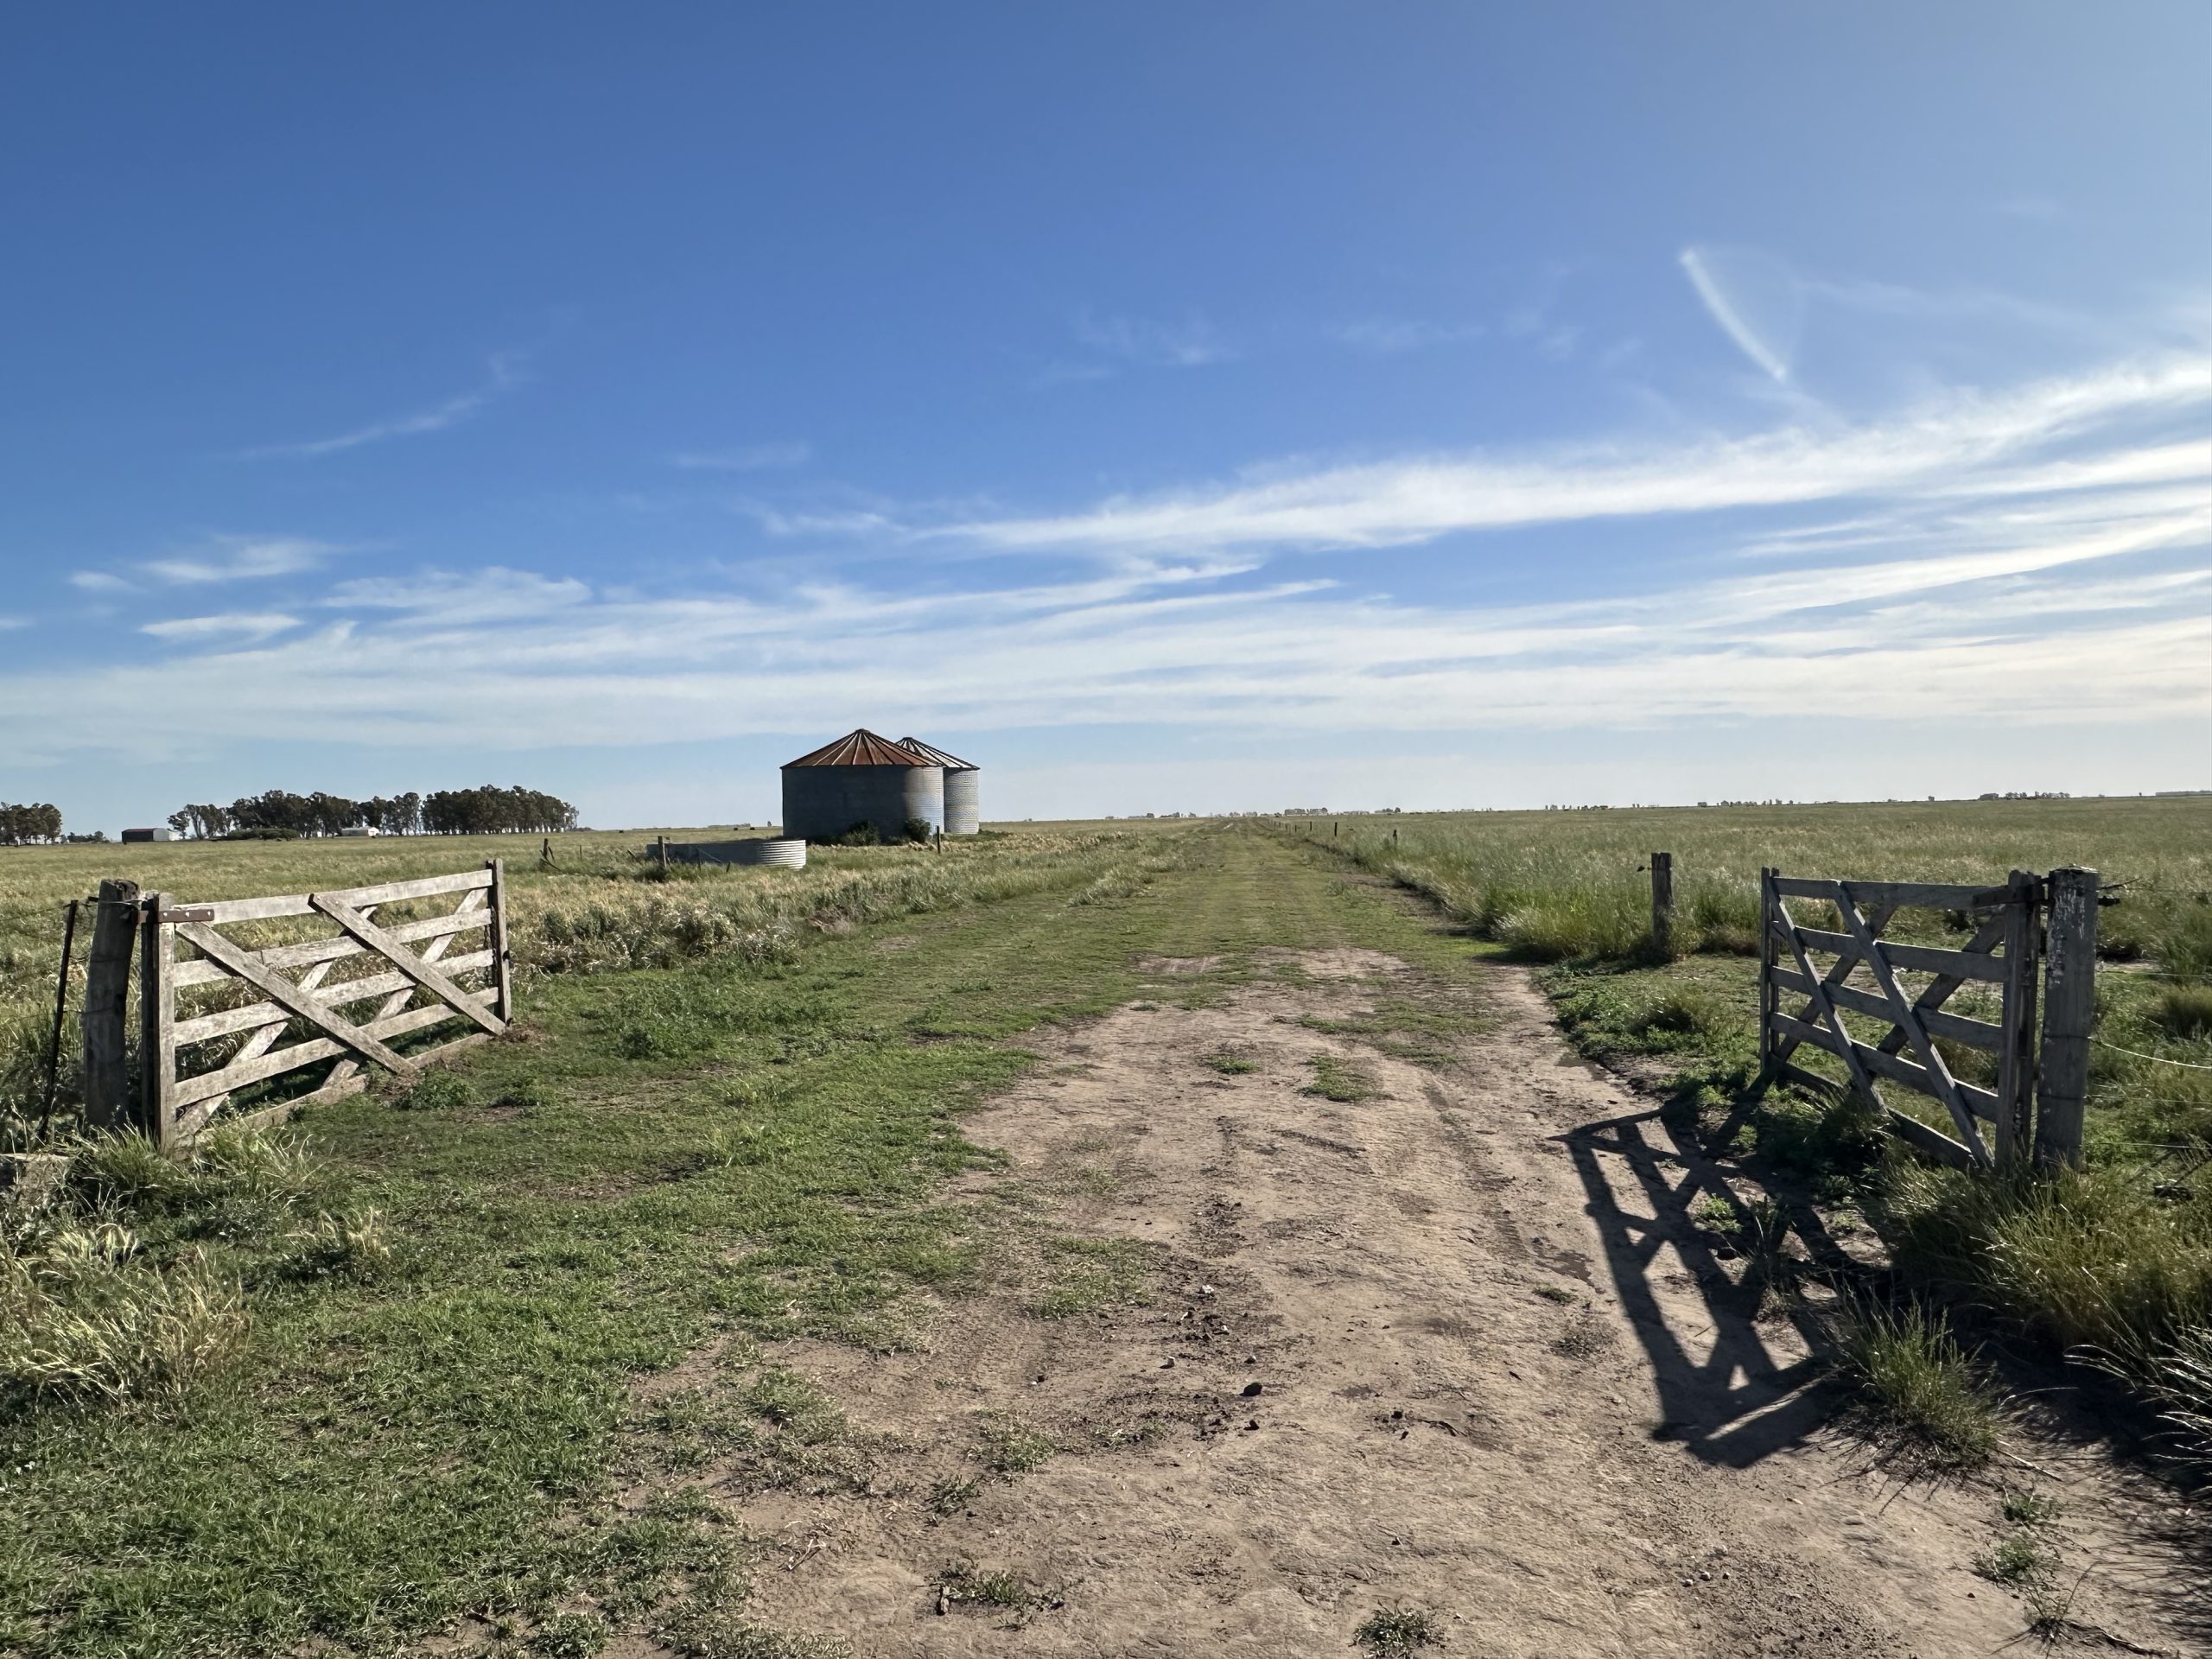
x,y
861,778
963,803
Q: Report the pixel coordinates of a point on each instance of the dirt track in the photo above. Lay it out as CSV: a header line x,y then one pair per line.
x,y
1500,1375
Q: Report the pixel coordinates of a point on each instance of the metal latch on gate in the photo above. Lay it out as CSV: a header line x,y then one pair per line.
x,y
187,913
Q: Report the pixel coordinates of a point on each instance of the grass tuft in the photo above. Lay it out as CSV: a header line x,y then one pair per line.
x,y
85,1321
1915,1381
1340,1079
1394,1632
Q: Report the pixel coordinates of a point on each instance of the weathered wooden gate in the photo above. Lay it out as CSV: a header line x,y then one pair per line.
x,y
2041,1078
190,1067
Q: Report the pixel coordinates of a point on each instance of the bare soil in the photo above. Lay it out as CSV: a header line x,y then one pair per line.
x,y
1458,1347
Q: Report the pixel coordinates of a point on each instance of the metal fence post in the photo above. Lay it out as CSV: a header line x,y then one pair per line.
x,y
107,993
2069,987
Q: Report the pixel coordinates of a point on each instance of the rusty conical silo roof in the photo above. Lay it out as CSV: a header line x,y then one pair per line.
x,y
862,747
936,756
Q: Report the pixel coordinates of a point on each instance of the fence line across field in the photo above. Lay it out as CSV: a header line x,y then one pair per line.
x,y
175,1093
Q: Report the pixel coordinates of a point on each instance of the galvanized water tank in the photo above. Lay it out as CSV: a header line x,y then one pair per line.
x,y
964,806
861,778
781,855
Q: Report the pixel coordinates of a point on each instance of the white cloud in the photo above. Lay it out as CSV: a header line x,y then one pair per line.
x,y
100,581
238,558
250,626
750,458
442,597
1186,345
503,371
1756,299
7,622
1393,502
2029,557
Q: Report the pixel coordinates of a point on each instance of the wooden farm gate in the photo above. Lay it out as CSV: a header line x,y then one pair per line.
x,y
2041,1076
191,1066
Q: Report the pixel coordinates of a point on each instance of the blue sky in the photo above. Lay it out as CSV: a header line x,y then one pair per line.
x,y
1172,407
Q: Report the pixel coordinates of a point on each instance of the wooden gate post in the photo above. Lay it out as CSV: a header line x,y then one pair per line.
x,y
2069,985
1770,993
1662,903
503,960
2015,1062
156,1112
107,991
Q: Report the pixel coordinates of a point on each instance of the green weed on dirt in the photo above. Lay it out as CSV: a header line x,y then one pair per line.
x,y
1916,1382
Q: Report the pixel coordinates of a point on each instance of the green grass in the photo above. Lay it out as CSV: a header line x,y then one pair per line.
x,y
1232,1065
967,1584
601,907
445,1300
2019,1559
1340,1079
1396,1633
1917,1385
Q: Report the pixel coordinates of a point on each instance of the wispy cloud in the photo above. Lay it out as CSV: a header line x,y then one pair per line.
x,y
504,371
1757,299
1189,344
7,622
1936,446
2035,555
749,458
100,581
1392,335
238,558
250,626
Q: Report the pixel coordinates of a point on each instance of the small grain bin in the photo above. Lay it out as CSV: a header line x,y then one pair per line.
x,y
963,810
861,778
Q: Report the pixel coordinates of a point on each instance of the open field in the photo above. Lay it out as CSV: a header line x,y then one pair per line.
x,y
909,1289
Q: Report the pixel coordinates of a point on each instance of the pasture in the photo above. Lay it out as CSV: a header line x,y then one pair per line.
x,y
972,1252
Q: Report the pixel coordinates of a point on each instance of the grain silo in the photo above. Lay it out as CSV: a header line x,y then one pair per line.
x,y
861,778
963,810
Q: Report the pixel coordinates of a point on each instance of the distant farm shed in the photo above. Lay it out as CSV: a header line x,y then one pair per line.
x,y
963,808
149,835
861,778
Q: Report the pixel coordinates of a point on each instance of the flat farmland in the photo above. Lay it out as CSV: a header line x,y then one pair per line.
x,y
1113,1238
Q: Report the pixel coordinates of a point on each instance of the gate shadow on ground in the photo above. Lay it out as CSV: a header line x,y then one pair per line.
x,y
1736,1401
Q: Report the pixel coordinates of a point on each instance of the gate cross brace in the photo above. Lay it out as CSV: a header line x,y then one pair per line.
x,y
286,995
1908,1021
437,981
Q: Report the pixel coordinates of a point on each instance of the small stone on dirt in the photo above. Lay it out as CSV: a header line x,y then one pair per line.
x,y
1251,1388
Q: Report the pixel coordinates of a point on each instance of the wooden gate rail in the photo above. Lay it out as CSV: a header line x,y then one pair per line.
x,y
2003,951
176,1099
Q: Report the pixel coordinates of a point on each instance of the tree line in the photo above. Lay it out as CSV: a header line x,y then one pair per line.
x,y
21,826
485,811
